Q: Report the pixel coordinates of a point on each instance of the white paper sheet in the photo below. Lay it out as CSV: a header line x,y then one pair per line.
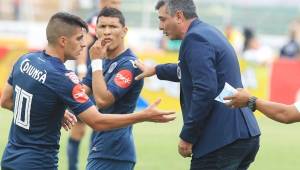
x,y
228,90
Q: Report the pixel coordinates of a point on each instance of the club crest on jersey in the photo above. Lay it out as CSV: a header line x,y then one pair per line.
x,y
112,67
73,77
123,78
79,94
178,72
32,71
133,64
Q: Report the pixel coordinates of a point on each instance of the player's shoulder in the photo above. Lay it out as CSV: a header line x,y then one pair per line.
x,y
29,55
127,59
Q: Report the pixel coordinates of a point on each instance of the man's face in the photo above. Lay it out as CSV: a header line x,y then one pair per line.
x,y
75,44
167,23
110,3
110,30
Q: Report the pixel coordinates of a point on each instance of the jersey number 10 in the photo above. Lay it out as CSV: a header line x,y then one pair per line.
x,y
22,108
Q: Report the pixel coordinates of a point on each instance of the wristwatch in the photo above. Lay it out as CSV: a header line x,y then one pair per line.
x,y
252,103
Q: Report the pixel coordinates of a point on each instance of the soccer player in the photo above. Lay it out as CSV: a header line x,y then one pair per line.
x,y
114,90
78,130
39,90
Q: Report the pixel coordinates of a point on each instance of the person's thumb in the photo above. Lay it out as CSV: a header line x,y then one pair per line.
x,y
140,76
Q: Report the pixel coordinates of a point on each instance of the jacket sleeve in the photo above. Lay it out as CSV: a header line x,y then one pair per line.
x,y
167,72
200,59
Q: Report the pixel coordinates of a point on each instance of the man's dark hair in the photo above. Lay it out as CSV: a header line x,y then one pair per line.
x,y
159,4
187,7
63,24
112,12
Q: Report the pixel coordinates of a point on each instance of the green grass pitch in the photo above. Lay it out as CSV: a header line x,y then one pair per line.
x,y
157,145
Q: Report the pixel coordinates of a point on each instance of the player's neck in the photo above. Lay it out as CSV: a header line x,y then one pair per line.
x,y
115,53
53,52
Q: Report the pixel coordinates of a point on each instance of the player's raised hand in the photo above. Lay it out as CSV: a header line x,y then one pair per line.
x,y
68,121
99,49
155,115
147,71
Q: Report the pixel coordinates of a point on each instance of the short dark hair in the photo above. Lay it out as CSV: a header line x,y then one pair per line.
x,y
112,12
187,7
63,24
159,4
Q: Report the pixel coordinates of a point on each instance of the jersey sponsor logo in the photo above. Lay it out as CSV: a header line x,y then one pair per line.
x,y
123,78
133,64
79,94
32,71
73,77
112,67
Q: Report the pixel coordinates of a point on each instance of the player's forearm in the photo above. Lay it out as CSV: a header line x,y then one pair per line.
x,y
6,100
113,121
7,105
100,92
279,112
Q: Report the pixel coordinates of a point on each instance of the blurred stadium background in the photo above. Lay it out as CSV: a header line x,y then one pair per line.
x,y
266,74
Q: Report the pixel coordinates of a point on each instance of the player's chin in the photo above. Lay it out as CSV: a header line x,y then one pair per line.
x,y
78,53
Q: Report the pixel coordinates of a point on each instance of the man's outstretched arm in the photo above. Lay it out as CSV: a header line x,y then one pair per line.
x,y
277,111
101,122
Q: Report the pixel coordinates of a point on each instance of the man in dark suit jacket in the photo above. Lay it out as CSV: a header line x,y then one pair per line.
x,y
217,137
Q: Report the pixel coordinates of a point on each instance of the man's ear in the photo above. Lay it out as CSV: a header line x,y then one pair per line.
x,y
124,31
62,41
179,17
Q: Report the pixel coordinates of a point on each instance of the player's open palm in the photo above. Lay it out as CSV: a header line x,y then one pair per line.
x,y
159,116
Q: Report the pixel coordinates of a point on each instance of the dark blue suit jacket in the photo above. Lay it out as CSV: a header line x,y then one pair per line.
x,y
206,62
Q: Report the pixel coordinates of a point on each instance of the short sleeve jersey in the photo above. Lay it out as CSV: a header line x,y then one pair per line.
x,y
119,76
43,88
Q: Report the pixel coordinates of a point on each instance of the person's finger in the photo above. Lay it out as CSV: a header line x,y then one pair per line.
x,y
180,151
65,127
167,112
169,118
228,97
140,76
140,65
69,125
74,119
156,103
229,104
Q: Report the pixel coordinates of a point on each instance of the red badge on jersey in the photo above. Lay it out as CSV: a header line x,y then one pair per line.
x,y
78,94
123,78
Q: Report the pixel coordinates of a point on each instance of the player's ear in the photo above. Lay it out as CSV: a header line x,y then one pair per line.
x,y
62,41
124,31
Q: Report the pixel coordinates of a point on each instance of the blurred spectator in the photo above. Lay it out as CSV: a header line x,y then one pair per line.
x,y
16,6
234,37
292,48
254,51
255,54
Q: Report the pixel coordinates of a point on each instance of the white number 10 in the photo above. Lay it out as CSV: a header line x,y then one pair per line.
x,y
18,108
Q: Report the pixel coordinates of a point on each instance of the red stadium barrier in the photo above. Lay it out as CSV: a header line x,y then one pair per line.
x,y
3,52
285,81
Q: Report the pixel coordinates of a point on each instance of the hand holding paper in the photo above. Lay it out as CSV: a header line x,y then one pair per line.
x,y
228,90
